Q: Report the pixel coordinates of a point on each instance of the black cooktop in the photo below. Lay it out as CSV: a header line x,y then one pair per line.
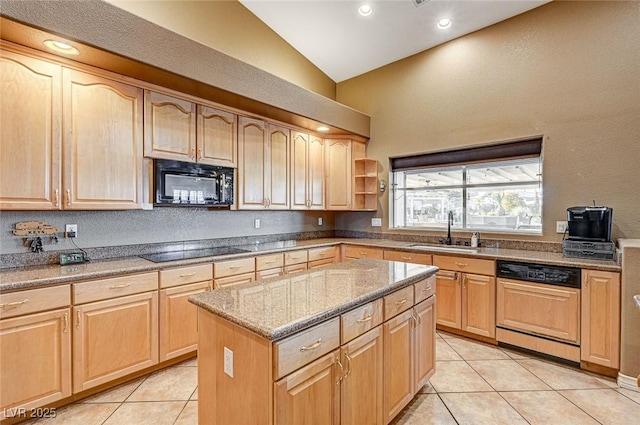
x,y
192,253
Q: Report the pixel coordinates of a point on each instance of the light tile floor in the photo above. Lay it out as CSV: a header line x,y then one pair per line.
x,y
475,384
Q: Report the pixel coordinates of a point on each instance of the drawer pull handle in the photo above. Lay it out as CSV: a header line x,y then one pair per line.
x,y
402,301
15,303
295,257
453,276
188,274
65,320
406,258
312,346
234,267
365,319
270,262
341,374
55,197
428,288
124,285
77,319
461,264
68,197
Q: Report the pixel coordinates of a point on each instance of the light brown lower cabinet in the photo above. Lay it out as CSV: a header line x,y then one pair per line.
x,y
310,395
409,355
398,368
178,333
600,318
35,360
467,302
114,338
361,387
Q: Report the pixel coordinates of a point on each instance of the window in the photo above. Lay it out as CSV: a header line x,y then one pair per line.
x,y
501,195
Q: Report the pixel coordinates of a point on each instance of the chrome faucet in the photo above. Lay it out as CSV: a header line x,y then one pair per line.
x,y
449,223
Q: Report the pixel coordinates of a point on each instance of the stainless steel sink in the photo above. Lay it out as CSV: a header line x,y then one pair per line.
x,y
445,248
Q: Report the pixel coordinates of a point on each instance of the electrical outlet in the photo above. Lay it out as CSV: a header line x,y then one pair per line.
x,y
256,223
561,226
376,222
319,221
71,231
228,362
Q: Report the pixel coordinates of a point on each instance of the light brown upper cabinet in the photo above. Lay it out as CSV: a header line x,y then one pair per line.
x,y
307,172
30,133
102,143
339,176
185,131
170,127
263,165
216,137
93,162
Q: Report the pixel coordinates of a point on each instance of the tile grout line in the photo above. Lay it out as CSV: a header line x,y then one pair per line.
x,y
581,409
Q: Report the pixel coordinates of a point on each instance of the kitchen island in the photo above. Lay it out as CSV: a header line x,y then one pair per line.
x,y
347,343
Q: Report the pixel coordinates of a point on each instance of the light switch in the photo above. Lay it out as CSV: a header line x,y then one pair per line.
x,y
376,222
228,362
256,223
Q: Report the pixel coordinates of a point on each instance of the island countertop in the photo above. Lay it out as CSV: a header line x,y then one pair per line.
x,y
278,307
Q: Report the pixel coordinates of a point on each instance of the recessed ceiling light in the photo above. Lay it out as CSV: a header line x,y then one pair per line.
x,y
444,23
365,10
61,47
323,128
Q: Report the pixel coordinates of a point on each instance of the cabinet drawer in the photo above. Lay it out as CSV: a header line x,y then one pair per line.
x,y
304,347
184,275
318,263
233,267
34,300
408,257
295,257
263,274
397,302
295,268
359,320
424,289
322,253
467,265
114,287
353,251
234,280
266,262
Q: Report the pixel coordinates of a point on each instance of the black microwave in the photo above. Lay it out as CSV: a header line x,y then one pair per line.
x,y
178,183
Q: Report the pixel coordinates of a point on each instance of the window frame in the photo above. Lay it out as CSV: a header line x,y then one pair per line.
x,y
464,186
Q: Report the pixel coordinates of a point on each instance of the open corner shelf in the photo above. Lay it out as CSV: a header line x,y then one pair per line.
x,y
366,184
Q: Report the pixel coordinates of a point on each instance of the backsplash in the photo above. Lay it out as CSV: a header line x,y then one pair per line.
x,y
100,230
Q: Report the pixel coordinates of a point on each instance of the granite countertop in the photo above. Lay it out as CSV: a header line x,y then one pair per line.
x,y
36,276
278,307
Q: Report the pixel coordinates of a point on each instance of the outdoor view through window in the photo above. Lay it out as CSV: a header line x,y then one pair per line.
x,y
495,196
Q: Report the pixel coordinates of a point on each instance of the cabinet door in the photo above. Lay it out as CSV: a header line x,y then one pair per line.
x,y
299,171
170,127
278,167
252,159
425,342
179,320
310,395
361,389
449,295
600,342
216,133
338,174
35,364
30,133
102,143
114,338
315,175
479,304
398,366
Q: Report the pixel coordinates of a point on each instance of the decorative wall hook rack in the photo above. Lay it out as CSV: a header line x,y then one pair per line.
x,y
31,231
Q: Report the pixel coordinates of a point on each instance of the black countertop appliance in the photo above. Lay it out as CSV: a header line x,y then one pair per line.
x,y
591,224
